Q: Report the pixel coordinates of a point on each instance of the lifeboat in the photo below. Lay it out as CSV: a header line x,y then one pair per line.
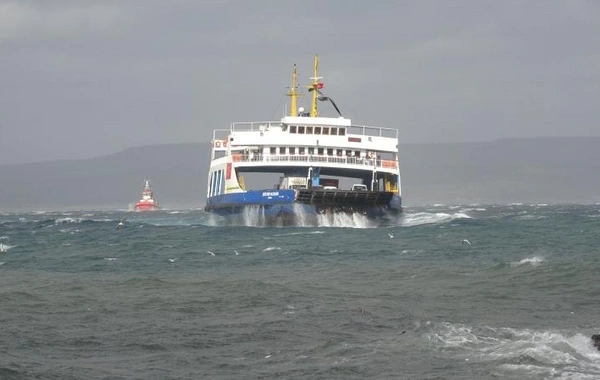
x,y
147,201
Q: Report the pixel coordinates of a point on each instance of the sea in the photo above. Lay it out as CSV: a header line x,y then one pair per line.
x,y
439,292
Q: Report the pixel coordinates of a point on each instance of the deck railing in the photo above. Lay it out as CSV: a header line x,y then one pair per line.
x,y
358,161
359,130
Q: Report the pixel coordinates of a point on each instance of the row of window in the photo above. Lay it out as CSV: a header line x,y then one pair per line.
x,y
217,183
318,151
305,130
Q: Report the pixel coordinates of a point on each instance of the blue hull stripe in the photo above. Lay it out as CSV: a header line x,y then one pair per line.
x,y
277,201
251,197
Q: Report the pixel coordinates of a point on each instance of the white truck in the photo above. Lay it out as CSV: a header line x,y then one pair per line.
x,y
359,187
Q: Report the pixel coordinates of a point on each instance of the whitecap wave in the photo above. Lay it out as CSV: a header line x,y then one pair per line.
x,y
257,216
301,233
532,217
67,220
533,261
473,209
343,219
411,251
420,218
272,249
521,352
5,247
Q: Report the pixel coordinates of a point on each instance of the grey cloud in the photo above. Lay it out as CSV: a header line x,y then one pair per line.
x,y
86,78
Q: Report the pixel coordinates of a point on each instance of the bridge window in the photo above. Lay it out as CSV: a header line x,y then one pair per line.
x,y
301,151
219,179
329,151
273,150
311,150
317,130
320,150
217,183
342,131
333,131
221,185
292,129
325,130
301,130
292,150
309,130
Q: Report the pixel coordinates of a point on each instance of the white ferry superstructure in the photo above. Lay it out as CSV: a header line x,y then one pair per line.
x,y
314,156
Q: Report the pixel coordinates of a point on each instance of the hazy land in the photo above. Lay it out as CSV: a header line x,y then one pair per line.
x,y
536,170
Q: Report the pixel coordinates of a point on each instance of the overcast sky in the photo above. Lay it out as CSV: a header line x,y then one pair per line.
x,y
80,79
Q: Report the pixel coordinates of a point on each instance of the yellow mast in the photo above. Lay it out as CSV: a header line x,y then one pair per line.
x,y
314,111
293,93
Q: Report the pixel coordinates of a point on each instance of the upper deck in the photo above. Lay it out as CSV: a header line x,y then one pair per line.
x,y
304,139
307,132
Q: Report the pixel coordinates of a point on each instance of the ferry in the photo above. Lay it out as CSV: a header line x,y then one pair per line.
x,y
147,202
325,164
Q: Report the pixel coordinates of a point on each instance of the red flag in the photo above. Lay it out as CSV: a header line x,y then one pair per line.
x,y
320,85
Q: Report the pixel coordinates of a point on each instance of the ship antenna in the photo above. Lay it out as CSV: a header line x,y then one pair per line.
x,y
314,86
293,93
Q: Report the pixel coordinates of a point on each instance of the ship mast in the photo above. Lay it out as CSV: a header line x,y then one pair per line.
x,y
314,87
147,189
293,93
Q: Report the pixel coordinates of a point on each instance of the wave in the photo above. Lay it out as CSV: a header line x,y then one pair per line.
x,y
257,216
300,233
420,218
473,209
531,217
533,261
67,223
5,247
272,249
68,220
520,352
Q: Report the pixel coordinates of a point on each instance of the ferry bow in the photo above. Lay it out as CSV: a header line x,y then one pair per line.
x,y
326,164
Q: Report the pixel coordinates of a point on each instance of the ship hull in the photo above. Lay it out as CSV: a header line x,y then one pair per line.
x,y
290,207
146,207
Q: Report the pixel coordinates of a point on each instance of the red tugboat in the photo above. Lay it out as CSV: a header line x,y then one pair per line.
x,y
147,202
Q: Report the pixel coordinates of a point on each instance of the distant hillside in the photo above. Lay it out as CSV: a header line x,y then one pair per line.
x,y
536,170
541,170
177,172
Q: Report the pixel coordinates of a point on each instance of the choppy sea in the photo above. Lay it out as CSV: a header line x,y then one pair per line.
x,y
178,295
